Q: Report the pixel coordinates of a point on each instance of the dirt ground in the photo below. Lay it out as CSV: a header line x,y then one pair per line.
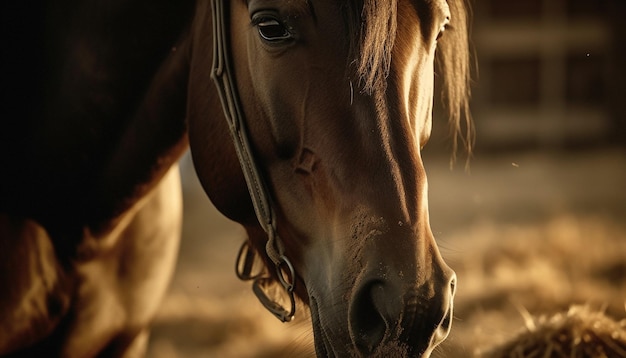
x,y
527,233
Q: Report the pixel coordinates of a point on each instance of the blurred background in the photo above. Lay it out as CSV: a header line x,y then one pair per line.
x,y
550,73
535,223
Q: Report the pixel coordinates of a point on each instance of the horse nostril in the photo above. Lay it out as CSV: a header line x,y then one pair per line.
x,y
369,317
452,285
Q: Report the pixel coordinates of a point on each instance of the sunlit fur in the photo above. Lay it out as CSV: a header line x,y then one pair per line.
x,y
373,24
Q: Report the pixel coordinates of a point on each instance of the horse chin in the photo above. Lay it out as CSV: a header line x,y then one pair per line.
x,y
328,343
322,343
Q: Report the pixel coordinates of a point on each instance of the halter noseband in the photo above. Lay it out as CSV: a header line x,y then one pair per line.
x,y
222,75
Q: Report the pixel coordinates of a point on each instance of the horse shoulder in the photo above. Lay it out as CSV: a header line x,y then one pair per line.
x,y
101,304
121,288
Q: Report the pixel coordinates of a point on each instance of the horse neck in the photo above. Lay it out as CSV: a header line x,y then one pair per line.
x,y
108,119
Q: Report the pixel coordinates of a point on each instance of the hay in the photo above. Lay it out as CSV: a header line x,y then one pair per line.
x,y
581,332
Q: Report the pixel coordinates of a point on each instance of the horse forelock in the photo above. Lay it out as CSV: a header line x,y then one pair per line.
x,y
373,25
453,62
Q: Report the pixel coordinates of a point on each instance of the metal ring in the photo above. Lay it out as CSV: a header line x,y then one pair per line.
x,y
289,286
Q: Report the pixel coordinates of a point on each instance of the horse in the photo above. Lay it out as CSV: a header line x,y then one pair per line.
x,y
305,120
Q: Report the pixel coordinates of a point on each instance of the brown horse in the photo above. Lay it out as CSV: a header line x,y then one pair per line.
x,y
336,101
337,98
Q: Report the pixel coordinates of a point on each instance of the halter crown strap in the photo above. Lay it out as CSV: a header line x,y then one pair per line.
x,y
222,75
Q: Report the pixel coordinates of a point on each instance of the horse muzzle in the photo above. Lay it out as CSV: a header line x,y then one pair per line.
x,y
390,307
387,318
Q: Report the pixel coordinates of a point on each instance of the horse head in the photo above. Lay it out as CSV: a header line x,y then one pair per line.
x,y
338,100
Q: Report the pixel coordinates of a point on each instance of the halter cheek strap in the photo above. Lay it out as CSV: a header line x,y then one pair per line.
x,y
222,75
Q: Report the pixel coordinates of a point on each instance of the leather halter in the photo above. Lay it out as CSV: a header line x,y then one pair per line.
x,y
222,75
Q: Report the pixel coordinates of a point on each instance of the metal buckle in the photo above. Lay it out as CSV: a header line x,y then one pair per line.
x,y
286,276
288,284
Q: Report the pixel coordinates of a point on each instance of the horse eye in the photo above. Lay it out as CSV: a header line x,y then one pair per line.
x,y
272,30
